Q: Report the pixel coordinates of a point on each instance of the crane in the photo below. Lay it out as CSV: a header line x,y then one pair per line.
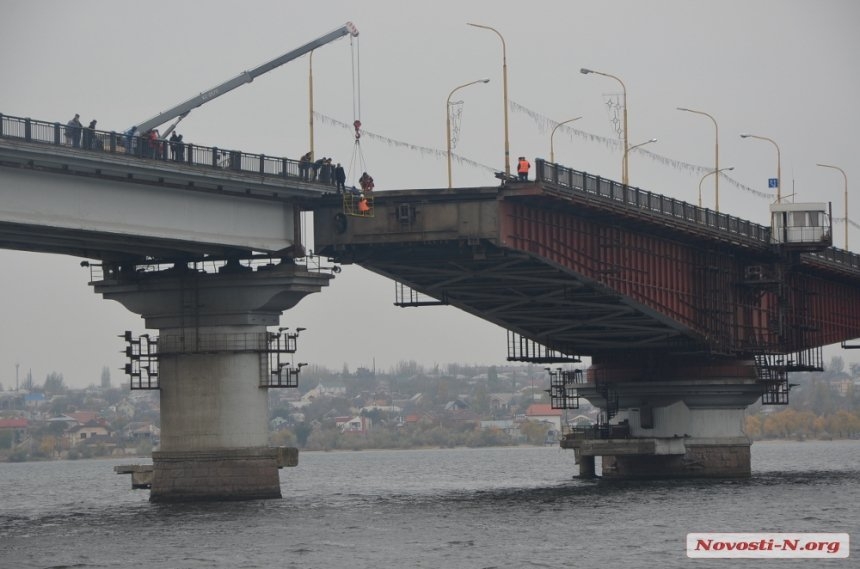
x,y
181,110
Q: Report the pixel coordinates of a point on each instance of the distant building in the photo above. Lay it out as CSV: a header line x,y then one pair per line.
x,y
356,425
34,399
79,433
83,417
17,426
543,412
501,401
142,430
456,405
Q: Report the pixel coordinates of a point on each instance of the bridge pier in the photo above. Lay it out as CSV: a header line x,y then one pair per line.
x,y
213,371
687,422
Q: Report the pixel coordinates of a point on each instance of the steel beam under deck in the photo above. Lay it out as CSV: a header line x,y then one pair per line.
x,y
542,302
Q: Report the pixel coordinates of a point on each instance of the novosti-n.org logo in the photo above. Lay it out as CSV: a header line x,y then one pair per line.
x,y
768,545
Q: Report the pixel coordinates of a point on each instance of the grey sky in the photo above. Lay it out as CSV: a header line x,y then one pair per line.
x,y
783,69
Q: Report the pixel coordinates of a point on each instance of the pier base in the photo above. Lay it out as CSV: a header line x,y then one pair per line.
x,y
213,375
698,461
686,424
218,475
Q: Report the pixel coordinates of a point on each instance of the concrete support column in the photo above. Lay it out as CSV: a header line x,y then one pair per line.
x,y
213,367
586,466
684,420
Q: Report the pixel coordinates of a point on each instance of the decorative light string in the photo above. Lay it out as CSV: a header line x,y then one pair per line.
x,y
423,150
545,124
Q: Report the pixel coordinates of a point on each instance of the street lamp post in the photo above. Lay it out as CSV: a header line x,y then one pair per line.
x,y
311,100
716,156
627,151
551,149
448,120
845,197
717,172
778,163
624,170
505,95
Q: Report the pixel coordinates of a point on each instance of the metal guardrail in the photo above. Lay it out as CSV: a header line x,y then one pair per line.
x,y
84,139
596,432
311,263
650,202
740,229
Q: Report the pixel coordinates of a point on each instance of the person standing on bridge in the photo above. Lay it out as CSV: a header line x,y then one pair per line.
x,y
523,169
340,178
173,138
90,136
180,149
304,166
130,140
316,168
73,131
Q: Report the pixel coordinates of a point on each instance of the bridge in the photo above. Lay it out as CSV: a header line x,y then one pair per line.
x,y
688,315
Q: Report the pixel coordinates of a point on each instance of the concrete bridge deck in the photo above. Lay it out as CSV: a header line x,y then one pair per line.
x,y
123,204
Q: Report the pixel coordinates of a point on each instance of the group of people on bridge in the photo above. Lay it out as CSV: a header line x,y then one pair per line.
x,y
79,136
322,171
150,144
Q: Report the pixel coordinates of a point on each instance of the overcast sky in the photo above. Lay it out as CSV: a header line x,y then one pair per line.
x,y
784,69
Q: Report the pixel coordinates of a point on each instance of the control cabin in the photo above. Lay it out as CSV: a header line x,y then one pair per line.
x,y
802,226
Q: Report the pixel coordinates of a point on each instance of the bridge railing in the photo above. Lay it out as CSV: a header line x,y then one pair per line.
x,y
576,181
57,134
650,202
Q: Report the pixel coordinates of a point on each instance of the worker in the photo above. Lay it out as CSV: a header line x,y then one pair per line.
x,y
366,182
523,169
363,207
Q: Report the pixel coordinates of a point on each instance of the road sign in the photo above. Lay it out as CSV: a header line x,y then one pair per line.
x,y
773,182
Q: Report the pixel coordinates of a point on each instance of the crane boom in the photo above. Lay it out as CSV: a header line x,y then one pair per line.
x,y
182,109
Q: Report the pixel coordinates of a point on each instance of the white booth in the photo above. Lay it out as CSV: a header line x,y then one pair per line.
x,y
801,225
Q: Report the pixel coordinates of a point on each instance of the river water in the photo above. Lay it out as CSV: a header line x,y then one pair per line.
x,y
450,508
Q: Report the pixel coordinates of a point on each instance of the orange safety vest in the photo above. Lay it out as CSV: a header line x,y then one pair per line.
x,y
523,167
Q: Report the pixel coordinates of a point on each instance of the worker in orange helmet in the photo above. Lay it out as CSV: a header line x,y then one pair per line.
x,y
363,206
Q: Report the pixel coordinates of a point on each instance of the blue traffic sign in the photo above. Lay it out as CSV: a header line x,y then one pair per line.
x,y
772,182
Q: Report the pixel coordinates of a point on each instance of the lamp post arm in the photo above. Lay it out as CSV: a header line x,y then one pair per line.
x,y
778,163
624,163
448,121
552,134
844,197
716,153
504,93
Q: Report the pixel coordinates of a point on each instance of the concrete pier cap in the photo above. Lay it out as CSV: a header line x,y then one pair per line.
x,y
679,419
213,366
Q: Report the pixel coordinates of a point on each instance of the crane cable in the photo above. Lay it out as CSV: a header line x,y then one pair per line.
x,y
357,153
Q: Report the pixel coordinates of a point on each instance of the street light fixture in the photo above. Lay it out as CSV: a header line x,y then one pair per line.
x,y
778,163
505,94
551,150
717,172
624,170
448,121
311,100
716,155
845,197
627,151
